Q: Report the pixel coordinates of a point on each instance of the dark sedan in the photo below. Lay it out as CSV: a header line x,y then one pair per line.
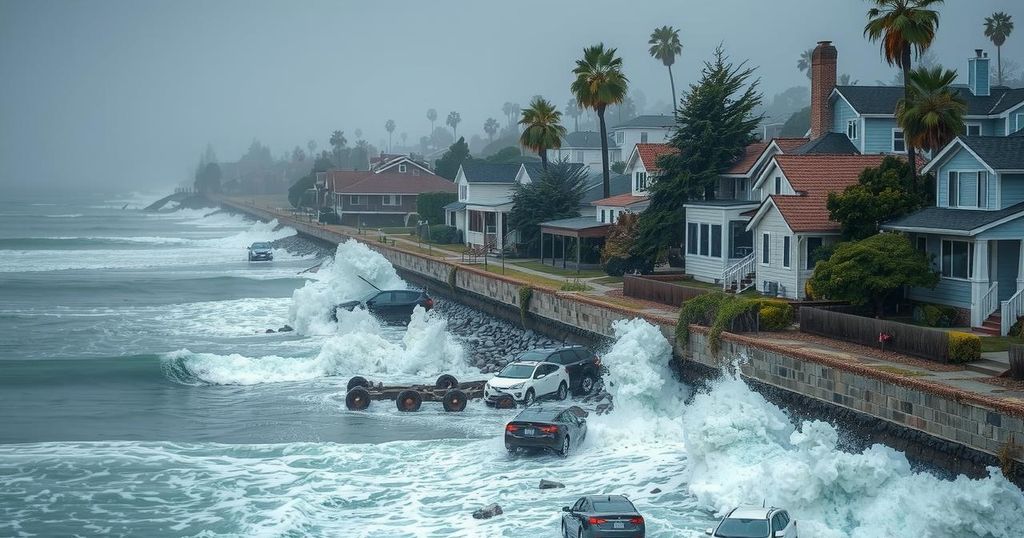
x,y
558,428
261,251
582,365
389,305
611,516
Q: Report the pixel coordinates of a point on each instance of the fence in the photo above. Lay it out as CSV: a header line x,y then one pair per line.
x,y
1017,361
651,289
921,342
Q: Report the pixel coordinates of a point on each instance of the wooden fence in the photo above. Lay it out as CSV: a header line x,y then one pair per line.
x,y
650,289
1017,361
921,342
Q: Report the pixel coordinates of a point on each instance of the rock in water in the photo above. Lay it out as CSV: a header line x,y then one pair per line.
x,y
655,490
268,331
550,484
285,329
487,512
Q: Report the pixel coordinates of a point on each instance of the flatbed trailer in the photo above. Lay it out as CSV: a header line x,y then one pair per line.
x,y
452,394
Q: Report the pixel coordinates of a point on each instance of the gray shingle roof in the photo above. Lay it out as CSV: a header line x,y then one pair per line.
x,y
455,206
575,223
830,143
536,169
586,140
883,99
484,172
944,218
618,183
648,121
999,152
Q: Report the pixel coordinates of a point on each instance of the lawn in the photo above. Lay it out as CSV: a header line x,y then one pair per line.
x,y
998,343
606,280
583,273
519,275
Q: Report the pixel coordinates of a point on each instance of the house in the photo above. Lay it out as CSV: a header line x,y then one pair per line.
x,y
584,147
384,196
974,233
641,169
644,129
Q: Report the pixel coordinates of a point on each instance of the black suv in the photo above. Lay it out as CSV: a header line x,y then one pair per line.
x,y
389,305
582,365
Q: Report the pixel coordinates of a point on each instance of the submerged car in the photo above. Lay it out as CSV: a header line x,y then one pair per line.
x,y
582,365
755,522
525,382
261,251
389,305
602,515
558,428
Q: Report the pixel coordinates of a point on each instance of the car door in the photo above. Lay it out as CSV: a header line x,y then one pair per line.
x,y
568,359
407,302
574,521
789,525
381,304
544,380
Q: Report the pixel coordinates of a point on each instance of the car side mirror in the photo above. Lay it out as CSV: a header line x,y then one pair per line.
x,y
540,376
566,509
780,534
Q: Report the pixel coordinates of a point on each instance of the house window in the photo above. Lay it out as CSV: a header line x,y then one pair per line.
x,y
391,199
973,129
640,180
765,246
982,189
851,129
463,192
899,143
951,188
619,137
643,137
355,200
716,241
691,238
703,239
785,251
476,221
778,185
813,254
741,242
957,259
602,215
402,168
968,189
922,244
579,156
451,219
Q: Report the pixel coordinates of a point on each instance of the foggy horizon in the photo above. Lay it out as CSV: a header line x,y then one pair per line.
x,y
122,95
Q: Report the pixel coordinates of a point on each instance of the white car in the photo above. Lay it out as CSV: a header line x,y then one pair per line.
x,y
755,522
525,382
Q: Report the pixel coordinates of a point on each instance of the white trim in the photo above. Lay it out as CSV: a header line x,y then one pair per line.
x,y
835,91
942,155
863,139
763,251
787,252
969,124
892,140
404,159
944,181
855,123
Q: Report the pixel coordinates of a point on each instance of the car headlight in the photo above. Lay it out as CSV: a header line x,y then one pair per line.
x,y
516,386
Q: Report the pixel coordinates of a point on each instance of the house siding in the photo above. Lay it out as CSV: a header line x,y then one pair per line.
x,y
776,227
878,135
1010,230
803,275
948,291
961,160
706,268
487,193
841,113
1012,188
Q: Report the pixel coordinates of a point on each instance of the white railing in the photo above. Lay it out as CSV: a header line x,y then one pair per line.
x,y
989,303
1011,309
737,272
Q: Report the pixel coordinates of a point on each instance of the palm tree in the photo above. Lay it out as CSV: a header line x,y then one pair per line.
x,y
431,115
599,83
491,127
507,109
389,126
933,114
453,121
543,128
573,110
997,28
903,26
804,63
665,46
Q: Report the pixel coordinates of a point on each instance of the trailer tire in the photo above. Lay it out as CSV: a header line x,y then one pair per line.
x,y
505,402
409,401
357,381
446,382
454,401
357,399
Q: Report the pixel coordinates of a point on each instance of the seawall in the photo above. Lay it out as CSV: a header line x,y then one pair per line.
x,y
959,431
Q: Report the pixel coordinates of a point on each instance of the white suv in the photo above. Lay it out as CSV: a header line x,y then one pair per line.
x,y
755,522
525,382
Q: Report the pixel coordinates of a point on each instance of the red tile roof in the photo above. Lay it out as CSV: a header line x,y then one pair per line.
x,y
620,200
649,154
750,155
338,180
813,177
391,183
789,144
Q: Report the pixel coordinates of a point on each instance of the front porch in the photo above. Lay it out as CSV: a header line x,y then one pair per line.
x,y
719,249
487,227
575,242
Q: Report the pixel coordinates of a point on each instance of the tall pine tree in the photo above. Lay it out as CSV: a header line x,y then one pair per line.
x,y
714,123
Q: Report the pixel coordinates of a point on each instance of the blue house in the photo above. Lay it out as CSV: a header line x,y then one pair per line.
x,y
974,232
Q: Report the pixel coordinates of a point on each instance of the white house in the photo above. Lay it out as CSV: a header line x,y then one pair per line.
x,y
641,169
646,129
584,147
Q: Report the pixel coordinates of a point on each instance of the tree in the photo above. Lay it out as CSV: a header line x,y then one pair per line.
x,y
543,128
297,192
933,113
804,63
845,80
871,270
311,146
389,126
555,195
798,124
619,167
298,155
998,27
448,165
507,109
432,116
430,205
665,46
359,133
620,254
714,125
208,179
506,155
599,83
453,121
573,110
883,193
491,127
902,27
360,156
339,153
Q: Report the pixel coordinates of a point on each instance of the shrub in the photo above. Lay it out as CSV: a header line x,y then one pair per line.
x,y
620,266
451,277
731,310
525,294
574,285
775,315
700,310
1017,329
934,315
809,290
722,311
430,205
445,235
964,347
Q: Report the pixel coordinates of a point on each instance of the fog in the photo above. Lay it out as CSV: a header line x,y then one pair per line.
x,y
112,94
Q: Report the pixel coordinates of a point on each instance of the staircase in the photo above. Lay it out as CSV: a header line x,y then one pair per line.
x,y
992,326
741,275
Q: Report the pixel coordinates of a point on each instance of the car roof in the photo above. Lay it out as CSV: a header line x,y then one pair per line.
x,y
544,412
529,362
751,512
608,498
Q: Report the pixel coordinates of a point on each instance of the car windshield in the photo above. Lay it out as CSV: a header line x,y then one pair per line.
x,y
533,356
517,371
260,245
743,528
613,505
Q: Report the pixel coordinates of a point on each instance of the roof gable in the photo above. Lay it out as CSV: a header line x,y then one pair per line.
x,y
485,172
648,121
882,100
396,183
998,152
394,163
585,140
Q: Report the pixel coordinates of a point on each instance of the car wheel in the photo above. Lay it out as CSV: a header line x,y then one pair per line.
x,y
564,451
357,399
529,398
409,401
563,391
357,381
587,384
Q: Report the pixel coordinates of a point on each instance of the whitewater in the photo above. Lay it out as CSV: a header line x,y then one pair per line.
x,y
167,410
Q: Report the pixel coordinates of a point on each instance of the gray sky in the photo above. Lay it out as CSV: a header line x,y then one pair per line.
x,y
125,94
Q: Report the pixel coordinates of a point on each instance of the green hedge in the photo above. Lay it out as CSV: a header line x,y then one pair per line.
x,y
964,347
935,315
430,205
724,311
445,235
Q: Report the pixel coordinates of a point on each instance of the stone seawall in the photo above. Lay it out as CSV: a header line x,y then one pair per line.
x,y
956,430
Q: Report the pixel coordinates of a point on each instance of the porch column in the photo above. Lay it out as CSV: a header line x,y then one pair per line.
x,y
500,239
579,247
1020,267
979,282
542,247
563,252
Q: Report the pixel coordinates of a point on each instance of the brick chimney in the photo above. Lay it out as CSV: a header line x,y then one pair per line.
x,y
823,81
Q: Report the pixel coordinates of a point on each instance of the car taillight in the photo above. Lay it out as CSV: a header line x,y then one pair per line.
x,y
549,429
511,428
597,361
429,303
639,520
597,521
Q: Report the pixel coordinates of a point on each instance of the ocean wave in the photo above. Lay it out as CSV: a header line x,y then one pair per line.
x,y
64,216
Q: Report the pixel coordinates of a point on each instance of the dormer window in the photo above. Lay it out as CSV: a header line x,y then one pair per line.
x,y
778,185
402,168
967,189
851,129
973,129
